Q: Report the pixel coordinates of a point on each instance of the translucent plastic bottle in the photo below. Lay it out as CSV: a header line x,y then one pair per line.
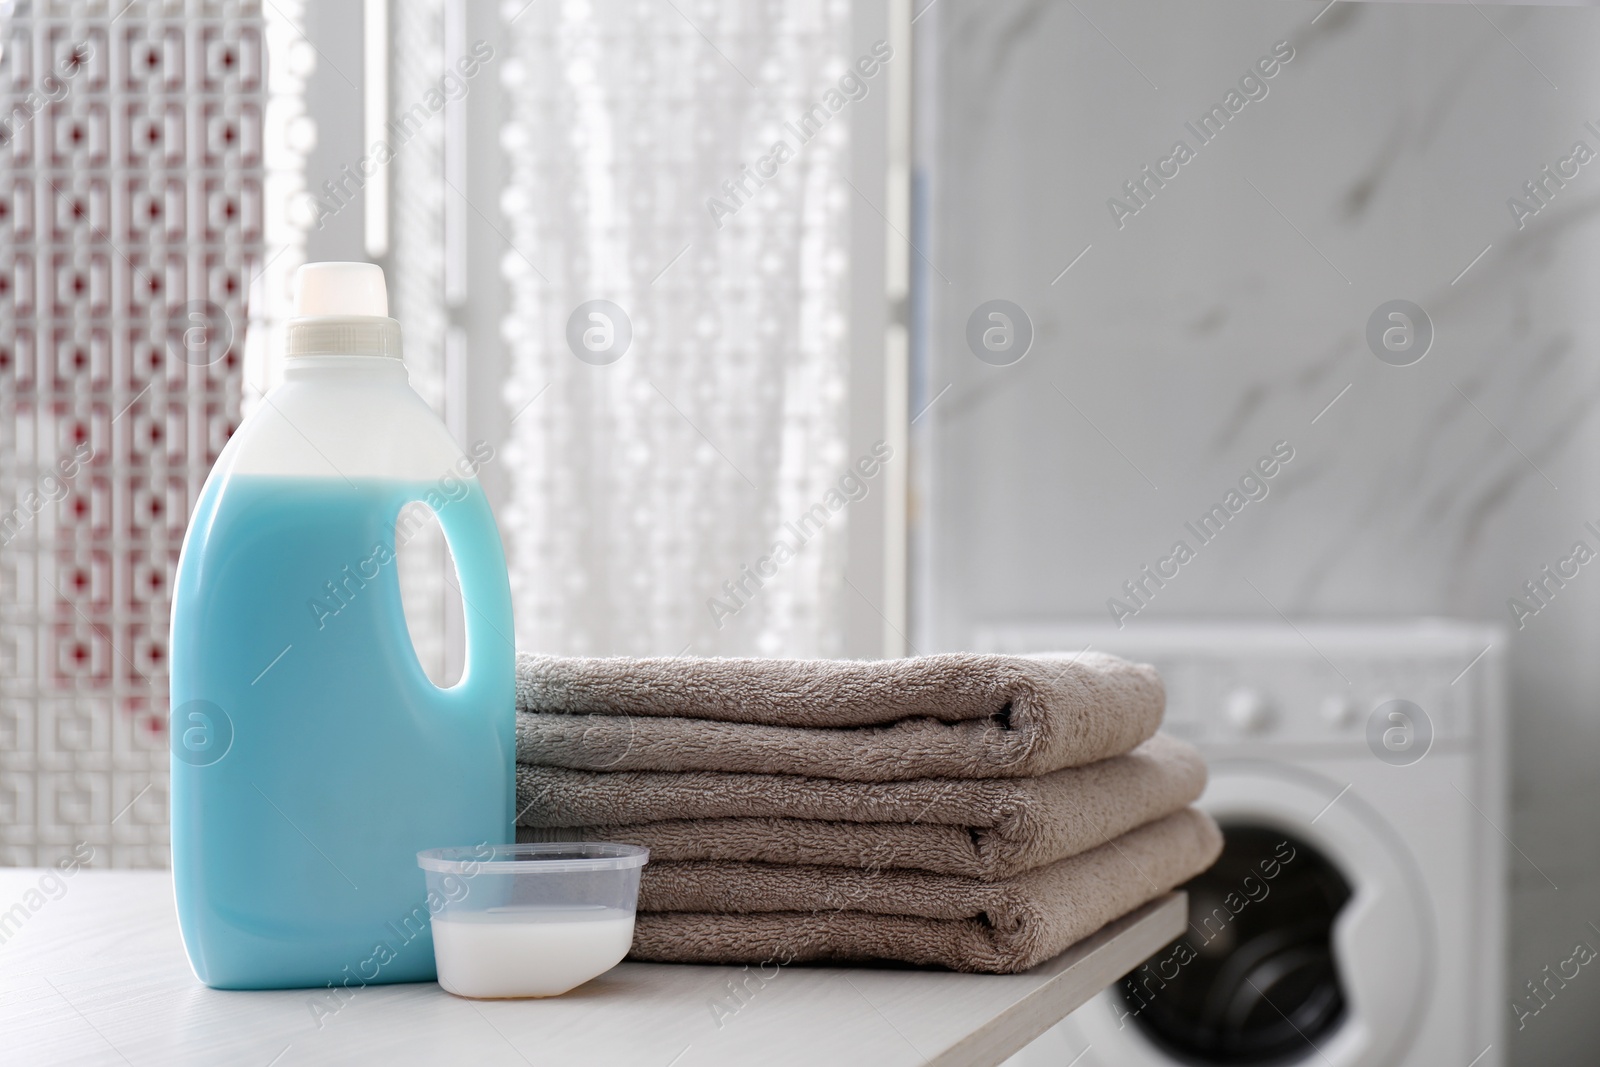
x,y
312,757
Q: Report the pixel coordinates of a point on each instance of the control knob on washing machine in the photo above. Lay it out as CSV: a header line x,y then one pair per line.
x,y
1249,711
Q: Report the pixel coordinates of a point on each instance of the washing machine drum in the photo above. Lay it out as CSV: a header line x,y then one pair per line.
x,y
1310,941
1256,979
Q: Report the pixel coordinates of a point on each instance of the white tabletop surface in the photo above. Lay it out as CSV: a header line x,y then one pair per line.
x,y
97,975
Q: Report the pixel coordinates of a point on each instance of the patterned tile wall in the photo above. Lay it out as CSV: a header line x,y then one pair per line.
x,y
131,230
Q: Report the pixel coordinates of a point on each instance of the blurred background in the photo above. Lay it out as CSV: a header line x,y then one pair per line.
x,y
1166,321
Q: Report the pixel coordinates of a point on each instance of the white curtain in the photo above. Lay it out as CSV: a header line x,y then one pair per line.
x,y
419,55
647,491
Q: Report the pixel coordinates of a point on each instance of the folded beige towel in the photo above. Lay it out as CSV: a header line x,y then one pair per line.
x,y
754,912
958,715
979,828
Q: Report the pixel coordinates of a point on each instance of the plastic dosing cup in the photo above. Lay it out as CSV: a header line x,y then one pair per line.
x,y
531,920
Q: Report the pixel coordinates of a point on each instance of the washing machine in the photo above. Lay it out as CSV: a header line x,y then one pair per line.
x,y
1357,915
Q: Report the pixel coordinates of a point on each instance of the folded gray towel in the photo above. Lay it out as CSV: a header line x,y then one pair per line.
x,y
755,912
979,828
958,715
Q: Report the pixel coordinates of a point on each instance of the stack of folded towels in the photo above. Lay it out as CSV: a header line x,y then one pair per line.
x,y
976,812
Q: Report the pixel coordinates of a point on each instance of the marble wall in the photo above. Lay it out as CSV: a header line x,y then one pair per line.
x,y
1179,337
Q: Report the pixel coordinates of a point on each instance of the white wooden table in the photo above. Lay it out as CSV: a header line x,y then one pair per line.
x,y
98,976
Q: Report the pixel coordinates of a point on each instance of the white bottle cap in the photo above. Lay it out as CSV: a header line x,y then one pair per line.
x,y
340,289
342,309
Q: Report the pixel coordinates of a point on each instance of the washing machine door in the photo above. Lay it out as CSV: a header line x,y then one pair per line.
x,y
1332,967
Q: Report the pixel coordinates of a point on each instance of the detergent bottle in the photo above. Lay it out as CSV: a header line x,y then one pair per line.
x,y
312,756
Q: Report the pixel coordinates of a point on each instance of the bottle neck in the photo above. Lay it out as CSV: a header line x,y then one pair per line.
x,y
363,368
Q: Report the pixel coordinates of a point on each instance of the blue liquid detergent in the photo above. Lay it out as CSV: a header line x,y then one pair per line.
x,y
312,755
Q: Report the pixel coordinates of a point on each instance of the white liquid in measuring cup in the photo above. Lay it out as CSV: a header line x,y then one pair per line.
x,y
528,952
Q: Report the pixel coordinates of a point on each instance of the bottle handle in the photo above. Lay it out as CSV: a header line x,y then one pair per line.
x,y
480,569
